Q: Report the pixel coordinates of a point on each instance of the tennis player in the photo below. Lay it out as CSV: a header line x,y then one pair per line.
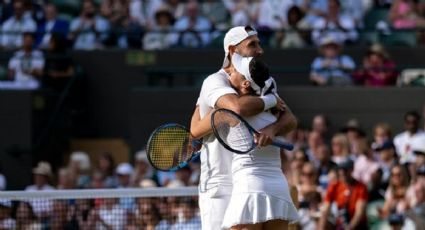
x,y
215,186
260,198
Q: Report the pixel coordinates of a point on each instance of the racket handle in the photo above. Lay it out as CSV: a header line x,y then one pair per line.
x,y
283,145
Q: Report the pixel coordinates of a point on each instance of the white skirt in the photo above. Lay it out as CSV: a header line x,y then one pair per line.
x,y
253,208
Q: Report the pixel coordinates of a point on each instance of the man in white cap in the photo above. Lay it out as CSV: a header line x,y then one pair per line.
x,y
215,184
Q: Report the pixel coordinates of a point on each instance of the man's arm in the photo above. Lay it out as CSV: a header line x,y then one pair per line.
x,y
358,214
246,105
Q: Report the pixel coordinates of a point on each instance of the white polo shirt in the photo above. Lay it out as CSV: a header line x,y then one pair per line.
x,y
403,145
216,161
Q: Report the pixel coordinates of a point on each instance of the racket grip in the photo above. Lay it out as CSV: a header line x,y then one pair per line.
x,y
283,145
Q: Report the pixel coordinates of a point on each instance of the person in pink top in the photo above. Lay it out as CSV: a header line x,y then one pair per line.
x,y
403,15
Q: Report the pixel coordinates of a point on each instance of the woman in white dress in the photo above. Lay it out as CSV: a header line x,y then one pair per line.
x,y
260,197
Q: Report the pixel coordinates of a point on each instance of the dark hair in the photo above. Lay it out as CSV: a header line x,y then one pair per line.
x,y
259,71
413,114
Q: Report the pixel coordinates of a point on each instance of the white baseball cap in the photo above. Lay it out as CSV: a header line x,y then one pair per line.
x,y
235,36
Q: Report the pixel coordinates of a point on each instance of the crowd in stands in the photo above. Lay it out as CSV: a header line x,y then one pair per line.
x,y
350,177
160,24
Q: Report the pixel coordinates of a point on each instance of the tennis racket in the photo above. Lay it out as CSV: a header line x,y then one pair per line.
x,y
171,147
235,134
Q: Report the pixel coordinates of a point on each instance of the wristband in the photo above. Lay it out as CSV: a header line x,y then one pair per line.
x,y
269,100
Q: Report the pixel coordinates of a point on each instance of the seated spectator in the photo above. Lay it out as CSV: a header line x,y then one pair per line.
x,y
272,15
297,162
403,15
82,215
178,7
42,176
147,215
387,158
293,36
59,67
25,67
308,182
315,139
340,148
377,70
336,25
417,212
327,168
331,68
66,179
350,197
89,31
106,166
395,196
365,164
25,217
110,215
354,132
243,12
142,168
193,29
6,220
52,24
216,12
124,172
14,27
381,133
376,187
59,216
97,180
320,123
188,218
160,36
116,12
309,211
403,141
80,167
354,9
314,10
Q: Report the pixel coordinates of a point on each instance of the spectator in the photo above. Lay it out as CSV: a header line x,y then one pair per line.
x,y
377,70
193,29
331,68
336,25
417,212
82,215
79,164
354,132
381,133
376,188
403,15
106,166
403,141
142,169
59,216
25,217
365,164
340,148
51,25
350,197
111,215
272,15
59,68
216,12
314,10
160,36
298,137
387,159
124,172
395,196
187,217
242,12
25,67
327,168
309,211
97,180
294,36
66,179
354,9
142,12
89,31
299,159
6,220
320,123
309,181
116,12
315,139
147,215
15,26
42,175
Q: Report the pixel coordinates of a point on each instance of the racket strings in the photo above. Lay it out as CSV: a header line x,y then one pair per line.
x,y
169,147
233,132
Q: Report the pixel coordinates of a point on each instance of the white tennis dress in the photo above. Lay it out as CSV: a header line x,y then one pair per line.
x,y
260,190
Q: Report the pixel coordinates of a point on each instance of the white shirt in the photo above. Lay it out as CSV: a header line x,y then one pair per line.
x,y
115,217
321,29
23,63
403,145
86,39
12,30
41,205
216,161
273,13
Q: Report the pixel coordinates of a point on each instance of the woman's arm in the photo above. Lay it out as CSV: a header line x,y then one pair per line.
x,y
200,127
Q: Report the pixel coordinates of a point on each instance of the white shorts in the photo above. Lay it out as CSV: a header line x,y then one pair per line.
x,y
212,206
